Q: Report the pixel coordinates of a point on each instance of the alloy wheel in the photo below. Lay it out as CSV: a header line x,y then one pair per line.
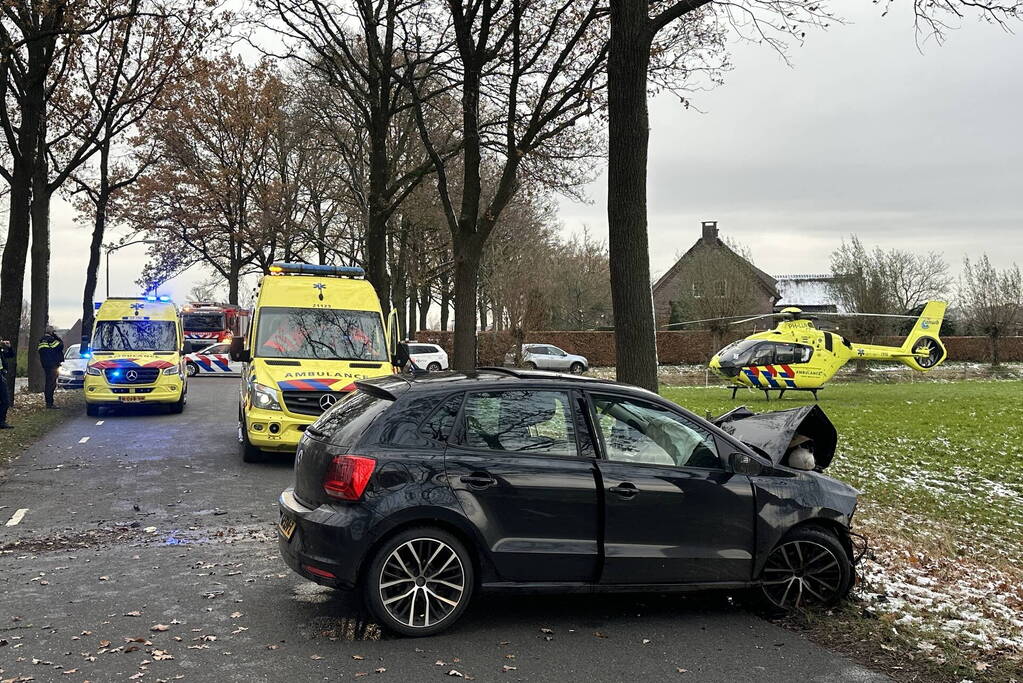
x,y
422,582
800,573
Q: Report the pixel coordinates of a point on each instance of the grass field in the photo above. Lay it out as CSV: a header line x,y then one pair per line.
x,y
31,420
940,465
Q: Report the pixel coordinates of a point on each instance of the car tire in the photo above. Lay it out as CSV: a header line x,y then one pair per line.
x,y
92,410
433,367
529,365
178,406
808,567
391,570
250,453
191,369
577,368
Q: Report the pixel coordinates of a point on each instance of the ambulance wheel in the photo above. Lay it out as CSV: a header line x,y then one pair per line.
x,y
178,407
191,369
249,452
92,410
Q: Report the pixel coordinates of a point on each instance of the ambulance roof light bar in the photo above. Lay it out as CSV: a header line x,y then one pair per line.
x,y
315,269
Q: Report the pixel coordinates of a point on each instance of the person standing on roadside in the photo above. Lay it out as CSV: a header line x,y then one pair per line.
x,y
6,354
51,354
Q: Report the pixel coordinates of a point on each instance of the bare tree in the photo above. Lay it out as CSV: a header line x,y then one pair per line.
x,y
992,300
528,77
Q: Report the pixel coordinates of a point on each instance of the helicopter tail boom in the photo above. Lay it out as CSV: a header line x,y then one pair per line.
x,y
922,349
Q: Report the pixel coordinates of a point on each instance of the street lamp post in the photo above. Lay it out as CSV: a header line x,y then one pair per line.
x,y
115,247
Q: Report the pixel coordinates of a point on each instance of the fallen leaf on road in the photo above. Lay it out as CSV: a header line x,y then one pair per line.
x,y
136,613
546,630
316,657
104,578
646,641
681,670
159,627
380,670
456,673
599,634
357,657
509,668
272,647
104,643
162,655
235,615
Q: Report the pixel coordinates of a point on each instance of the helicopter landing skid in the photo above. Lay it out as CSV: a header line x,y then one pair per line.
x,y
781,391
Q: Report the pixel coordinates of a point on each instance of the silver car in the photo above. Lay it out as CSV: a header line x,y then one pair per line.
x,y
548,357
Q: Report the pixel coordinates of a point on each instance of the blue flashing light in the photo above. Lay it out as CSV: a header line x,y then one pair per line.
x,y
115,373
96,305
150,297
163,297
86,354
317,269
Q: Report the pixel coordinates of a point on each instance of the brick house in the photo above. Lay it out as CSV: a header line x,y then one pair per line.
x,y
711,269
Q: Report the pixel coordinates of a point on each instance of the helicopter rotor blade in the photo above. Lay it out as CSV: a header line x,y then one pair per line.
x,y
757,317
868,315
711,320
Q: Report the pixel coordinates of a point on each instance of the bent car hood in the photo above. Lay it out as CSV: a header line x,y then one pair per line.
x,y
773,433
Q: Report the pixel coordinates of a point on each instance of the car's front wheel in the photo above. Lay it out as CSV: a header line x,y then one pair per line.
x,y
191,369
419,582
808,567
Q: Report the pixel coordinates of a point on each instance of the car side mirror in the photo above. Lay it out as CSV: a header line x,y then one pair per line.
x,y
238,352
744,463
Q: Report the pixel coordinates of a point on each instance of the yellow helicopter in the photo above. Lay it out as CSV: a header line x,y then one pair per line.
x,y
796,356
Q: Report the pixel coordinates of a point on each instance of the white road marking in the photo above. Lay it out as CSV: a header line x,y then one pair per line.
x,y
17,517
83,439
99,423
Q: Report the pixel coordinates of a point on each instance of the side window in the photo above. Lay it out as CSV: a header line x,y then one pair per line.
x,y
439,425
763,355
522,421
784,353
646,433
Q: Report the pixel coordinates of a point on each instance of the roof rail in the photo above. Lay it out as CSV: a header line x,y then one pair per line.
x,y
514,372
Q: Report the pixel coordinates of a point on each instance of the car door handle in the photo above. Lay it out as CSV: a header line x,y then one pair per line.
x,y
478,481
625,490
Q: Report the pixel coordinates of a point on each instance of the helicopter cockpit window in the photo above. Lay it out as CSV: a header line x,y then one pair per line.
x,y
738,353
763,355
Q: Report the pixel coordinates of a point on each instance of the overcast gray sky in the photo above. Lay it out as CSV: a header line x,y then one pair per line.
x,y
863,133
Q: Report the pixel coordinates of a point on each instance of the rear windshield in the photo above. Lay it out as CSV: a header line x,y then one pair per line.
x,y
345,422
326,333
203,322
135,335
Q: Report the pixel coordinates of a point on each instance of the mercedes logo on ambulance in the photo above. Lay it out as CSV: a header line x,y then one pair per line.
x,y
131,375
327,400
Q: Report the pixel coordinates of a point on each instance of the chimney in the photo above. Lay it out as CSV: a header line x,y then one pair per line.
x,y
710,232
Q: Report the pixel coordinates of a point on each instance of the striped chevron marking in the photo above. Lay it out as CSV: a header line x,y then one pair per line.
x,y
130,363
318,384
768,375
216,362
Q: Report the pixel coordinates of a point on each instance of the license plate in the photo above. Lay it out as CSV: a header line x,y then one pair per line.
x,y
132,399
286,526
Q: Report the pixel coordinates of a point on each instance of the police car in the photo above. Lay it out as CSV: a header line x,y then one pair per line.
x,y
212,360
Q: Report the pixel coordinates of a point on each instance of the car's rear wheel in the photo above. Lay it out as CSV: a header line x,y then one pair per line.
x,y
577,368
433,367
529,365
419,582
808,567
191,369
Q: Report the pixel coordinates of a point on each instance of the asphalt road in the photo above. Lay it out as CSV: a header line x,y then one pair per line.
x,y
148,551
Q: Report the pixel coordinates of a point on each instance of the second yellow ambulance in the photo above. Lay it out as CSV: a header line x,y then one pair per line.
x,y
315,331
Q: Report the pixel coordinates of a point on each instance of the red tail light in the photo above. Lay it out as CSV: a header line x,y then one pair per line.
x,y
347,476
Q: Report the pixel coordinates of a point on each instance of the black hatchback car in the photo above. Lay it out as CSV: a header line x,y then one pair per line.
x,y
419,492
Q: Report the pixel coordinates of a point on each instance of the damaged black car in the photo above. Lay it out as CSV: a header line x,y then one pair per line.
x,y
420,492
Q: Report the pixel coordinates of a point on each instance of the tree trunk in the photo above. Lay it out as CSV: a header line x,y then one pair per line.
x,y
12,273
232,281
376,221
483,312
467,265
993,341
628,137
424,306
92,270
411,312
445,301
40,272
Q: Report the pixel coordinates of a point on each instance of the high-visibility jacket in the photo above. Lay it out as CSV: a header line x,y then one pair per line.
x,y
51,351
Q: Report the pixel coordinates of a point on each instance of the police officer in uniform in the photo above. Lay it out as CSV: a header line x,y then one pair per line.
x,y
51,354
6,354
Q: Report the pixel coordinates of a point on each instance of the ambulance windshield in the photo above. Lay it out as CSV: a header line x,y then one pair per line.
x,y
135,335
325,333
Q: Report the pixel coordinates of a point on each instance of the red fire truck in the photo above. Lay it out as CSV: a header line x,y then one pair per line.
x,y
208,323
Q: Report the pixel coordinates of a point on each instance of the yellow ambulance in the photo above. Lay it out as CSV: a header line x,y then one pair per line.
x,y
315,331
136,355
